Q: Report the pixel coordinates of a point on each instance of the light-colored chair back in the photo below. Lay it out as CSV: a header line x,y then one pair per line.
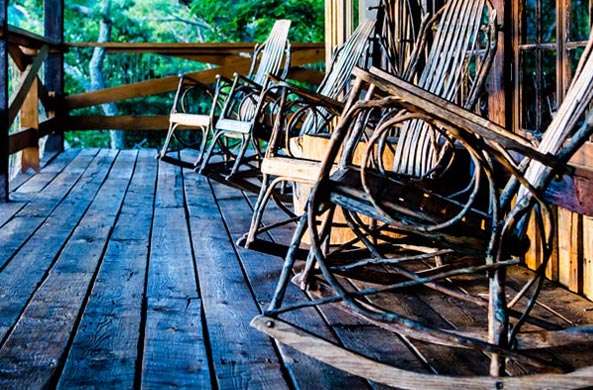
x,y
460,42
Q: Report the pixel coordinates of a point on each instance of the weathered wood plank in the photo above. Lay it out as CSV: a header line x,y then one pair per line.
x,y
21,276
105,345
241,356
569,249
262,272
20,228
37,181
174,343
47,322
588,257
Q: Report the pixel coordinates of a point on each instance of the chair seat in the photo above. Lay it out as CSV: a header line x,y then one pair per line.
x,y
191,120
234,126
409,203
300,170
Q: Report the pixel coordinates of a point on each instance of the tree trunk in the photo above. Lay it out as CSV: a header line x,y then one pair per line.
x,y
96,70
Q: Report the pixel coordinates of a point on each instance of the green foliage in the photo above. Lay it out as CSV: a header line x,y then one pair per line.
x,y
249,21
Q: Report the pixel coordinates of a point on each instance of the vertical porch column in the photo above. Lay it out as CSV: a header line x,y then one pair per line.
x,y
3,103
53,19
339,24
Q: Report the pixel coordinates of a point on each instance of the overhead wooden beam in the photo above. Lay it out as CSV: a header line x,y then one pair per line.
x,y
4,127
53,20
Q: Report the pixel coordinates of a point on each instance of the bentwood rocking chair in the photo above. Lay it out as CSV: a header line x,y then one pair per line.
x,y
195,107
476,233
302,112
243,114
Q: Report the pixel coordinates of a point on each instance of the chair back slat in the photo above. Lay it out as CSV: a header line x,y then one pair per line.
x,y
338,77
447,66
274,51
270,57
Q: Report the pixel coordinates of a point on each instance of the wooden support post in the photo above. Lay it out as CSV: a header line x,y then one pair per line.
x,y
54,68
339,24
30,119
3,103
499,82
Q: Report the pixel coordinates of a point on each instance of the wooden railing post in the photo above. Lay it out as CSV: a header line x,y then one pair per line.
x,y
3,103
54,68
30,119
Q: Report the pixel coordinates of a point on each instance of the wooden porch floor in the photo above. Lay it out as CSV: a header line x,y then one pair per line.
x,y
120,272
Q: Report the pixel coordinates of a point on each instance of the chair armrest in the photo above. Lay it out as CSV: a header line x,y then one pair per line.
x,y
246,80
417,99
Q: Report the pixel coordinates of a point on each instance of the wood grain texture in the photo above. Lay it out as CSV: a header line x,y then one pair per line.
x,y
174,346
32,217
262,271
241,356
106,343
46,324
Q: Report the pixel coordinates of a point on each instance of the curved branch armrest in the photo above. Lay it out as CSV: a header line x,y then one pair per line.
x,y
248,81
313,96
417,99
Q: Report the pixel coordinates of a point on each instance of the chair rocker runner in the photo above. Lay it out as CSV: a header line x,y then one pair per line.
x,y
478,233
243,114
303,112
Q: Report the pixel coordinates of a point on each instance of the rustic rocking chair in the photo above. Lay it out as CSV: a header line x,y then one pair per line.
x,y
301,112
455,225
195,107
242,114
445,73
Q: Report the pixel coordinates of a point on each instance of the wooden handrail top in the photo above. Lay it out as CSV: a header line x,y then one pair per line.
x,y
18,36
218,48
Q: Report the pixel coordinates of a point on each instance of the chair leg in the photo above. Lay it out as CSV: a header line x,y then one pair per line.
x,y
208,155
238,160
163,152
205,134
498,321
288,264
258,211
304,278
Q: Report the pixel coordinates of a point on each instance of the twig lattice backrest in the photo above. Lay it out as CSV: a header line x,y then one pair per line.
x,y
272,56
338,77
456,41
273,52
